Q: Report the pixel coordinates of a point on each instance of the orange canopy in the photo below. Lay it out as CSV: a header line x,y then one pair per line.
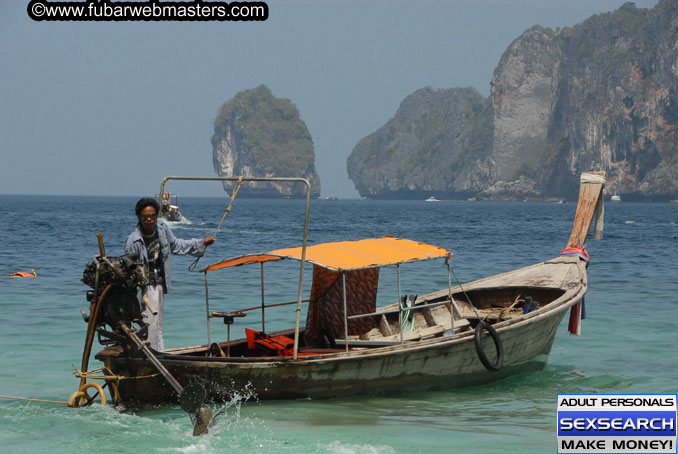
x,y
347,255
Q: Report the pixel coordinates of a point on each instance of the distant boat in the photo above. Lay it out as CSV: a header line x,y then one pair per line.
x,y
332,197
615,198
169,208
432,199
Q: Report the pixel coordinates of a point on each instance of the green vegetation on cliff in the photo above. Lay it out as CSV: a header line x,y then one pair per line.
x,y
273,133
257,134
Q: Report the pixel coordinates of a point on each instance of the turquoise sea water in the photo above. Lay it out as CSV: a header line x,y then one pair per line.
x,y
628,344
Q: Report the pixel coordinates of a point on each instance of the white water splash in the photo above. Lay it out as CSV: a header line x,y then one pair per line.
x,y
184,221
338,447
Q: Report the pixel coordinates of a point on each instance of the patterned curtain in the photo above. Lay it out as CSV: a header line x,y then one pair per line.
x,y
326,310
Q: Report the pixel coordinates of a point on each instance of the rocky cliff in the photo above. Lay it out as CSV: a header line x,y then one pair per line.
x,y
601,95
259,135
436,144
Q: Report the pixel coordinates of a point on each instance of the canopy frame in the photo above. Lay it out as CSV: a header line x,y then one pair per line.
x,y
394,251
242,179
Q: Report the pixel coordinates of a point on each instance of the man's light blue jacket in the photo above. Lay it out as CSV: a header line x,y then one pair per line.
x,y
169,244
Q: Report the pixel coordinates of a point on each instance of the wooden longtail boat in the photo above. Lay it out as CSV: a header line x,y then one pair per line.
x,y
461,335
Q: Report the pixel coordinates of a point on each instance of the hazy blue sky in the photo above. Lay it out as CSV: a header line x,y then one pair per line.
x,y
113,107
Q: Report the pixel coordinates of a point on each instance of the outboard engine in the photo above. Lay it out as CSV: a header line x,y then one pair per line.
x,y
120,304
114,302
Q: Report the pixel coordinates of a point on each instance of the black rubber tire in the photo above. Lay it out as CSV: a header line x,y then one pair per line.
x,y
497,345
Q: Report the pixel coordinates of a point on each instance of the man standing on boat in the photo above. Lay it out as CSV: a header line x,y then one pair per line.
x,y
153,242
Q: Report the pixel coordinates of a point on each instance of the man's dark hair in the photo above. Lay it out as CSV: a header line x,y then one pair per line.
x,y
144,202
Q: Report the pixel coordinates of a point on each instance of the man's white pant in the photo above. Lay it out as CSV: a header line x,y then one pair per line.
x,y
156,297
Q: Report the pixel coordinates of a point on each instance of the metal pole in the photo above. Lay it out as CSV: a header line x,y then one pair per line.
x,y
343,278
263,317
207,314
228,345
151,357
454,305
301,267
235,179
305,237
449,292
191,398
395,311
400,307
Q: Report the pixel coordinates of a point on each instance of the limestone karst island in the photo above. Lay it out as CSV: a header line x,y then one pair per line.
x,y
257,134
602,94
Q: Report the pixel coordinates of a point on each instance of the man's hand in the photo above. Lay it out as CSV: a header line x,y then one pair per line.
x,y
208,241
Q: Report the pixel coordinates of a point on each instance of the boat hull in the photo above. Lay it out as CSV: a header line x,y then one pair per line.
x,y
439,365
